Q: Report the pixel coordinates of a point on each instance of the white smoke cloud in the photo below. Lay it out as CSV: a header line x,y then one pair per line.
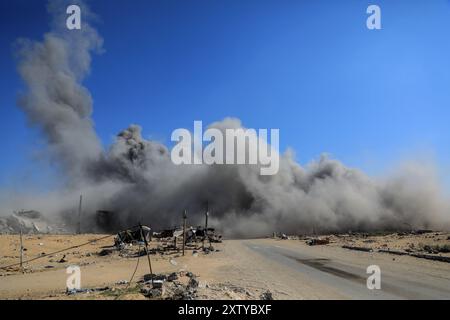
x,y
136,179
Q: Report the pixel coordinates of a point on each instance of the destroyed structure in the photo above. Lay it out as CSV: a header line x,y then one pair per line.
x,y
31,222
168,240
138,233
192,234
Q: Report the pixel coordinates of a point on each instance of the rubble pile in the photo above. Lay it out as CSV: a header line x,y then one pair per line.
x,y
29,222
185,285
175,286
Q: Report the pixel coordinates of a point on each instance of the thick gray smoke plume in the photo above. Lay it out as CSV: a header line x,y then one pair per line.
x,y
55,100
136,179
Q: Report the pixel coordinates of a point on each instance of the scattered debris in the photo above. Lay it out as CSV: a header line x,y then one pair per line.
x,y
193,282
157,284
152,292
75,291
168,287
134,235
437,248
155,277
172,277
168,233
202,234
403,253
267,295
431,257
317,241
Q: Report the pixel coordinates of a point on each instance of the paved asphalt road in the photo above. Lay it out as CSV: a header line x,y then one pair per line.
x,y
344,271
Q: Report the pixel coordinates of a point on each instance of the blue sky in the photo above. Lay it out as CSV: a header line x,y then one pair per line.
x,y
310,68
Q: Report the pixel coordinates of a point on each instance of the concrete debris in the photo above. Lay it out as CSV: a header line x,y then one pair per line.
x,y
169,287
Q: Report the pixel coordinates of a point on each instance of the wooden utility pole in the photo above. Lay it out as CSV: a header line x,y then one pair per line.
x,y
146,251
79,214
21,251
184,229
206,225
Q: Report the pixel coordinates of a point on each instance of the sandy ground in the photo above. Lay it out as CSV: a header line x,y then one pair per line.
x,y
411,243
240,269
46,278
